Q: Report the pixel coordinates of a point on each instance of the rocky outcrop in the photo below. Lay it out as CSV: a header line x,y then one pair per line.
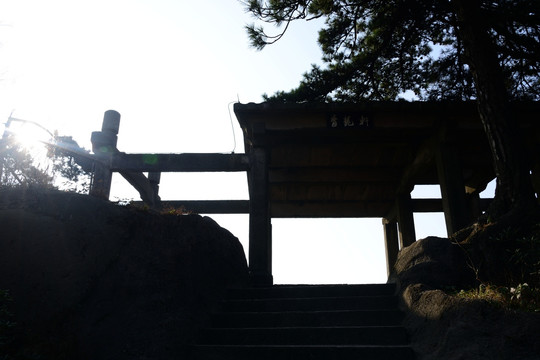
x,y
93,280
435,262
442,326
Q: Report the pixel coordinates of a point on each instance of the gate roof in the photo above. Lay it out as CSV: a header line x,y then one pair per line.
x,y
351,160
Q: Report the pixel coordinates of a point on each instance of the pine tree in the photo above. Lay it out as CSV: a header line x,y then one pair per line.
x,y
18,167
488,51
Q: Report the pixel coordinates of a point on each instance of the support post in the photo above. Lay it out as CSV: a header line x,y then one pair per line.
x,y
456,211
103,146
260,236
145,188
407,233
391,244
154,178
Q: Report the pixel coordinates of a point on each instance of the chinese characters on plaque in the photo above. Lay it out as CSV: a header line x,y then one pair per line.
x,y
349,121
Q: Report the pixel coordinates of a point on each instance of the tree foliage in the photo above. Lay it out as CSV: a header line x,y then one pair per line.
x,y
19,168
61,164
70,164
375,49
437,49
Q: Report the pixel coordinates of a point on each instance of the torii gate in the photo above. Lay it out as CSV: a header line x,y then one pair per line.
x,y
363,160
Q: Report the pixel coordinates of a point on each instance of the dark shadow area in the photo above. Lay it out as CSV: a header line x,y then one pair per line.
x,y
92,280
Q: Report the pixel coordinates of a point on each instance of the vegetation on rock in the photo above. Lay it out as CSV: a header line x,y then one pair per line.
x,y
441,319
522,297
505,258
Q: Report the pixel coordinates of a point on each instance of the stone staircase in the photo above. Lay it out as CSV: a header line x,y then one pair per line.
x,y
307,322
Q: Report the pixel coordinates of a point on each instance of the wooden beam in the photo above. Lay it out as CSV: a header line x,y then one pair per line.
x,y
331,192
295,209
407,233
325,137
330,209
348,155
146,190
333,174
436,205
206,206
424,158
179,162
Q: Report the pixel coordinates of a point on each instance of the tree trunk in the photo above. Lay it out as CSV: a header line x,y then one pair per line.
x,y
514,191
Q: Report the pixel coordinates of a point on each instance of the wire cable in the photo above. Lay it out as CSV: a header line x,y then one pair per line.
x,y
232,126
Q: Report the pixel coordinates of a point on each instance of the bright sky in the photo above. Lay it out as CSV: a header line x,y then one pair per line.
x,y
172,69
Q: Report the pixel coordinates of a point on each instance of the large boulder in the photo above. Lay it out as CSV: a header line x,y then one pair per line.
x,y
93,280
436,262
447,327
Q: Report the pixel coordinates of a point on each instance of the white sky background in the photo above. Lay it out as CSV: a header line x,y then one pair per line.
x,y
171,68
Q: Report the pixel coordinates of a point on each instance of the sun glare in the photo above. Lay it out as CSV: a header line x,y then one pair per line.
x,y
27,141
30,135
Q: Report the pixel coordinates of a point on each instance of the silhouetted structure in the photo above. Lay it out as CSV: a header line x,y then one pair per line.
x,y
363,160
336,160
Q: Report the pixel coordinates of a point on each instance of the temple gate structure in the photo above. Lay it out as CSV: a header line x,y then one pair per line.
x,y
363,160
320,160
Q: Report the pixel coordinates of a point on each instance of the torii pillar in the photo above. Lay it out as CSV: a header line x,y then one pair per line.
x,y
260,228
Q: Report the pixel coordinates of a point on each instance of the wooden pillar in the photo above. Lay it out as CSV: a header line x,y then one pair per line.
x,y
154,178
260,231
147,187
407,233
450,174
391,244
103,146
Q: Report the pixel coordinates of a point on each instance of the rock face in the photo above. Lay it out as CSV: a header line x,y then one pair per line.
x,y
92,280
446,327
435,262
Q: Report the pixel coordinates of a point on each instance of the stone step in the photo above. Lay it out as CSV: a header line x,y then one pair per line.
x,y
306,291
354,335
306,322
294,352
307,318
315,303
